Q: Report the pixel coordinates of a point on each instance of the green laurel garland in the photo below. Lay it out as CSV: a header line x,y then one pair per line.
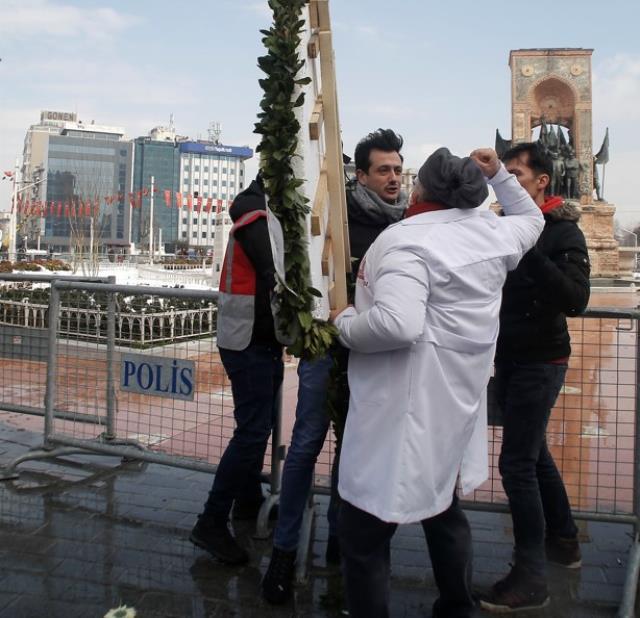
x,y
279,129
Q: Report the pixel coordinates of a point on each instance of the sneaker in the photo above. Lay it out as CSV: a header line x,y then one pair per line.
x,y
519,590
219,542
332,555
564,552
278,580
250,510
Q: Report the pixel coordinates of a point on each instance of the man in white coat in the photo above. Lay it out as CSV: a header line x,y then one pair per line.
x,y
422,336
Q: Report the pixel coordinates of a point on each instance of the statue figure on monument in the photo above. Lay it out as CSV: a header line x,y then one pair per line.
x,y
571,174
602,158
596,181
557,182
544,134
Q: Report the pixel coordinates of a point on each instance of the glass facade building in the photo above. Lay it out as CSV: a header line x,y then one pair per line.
x,y
160,160
87,169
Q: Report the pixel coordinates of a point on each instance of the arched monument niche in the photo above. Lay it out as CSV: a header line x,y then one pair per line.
x,y
553,87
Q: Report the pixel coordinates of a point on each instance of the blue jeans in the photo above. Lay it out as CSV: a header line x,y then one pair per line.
x,y
366,561
309,432
256,377
537,497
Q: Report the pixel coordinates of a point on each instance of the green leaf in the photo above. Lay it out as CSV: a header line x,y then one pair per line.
x,y
305,320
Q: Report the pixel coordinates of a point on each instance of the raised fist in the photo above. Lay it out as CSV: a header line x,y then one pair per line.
x,y
487,160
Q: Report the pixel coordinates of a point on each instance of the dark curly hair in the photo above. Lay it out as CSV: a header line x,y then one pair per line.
x,y
386,140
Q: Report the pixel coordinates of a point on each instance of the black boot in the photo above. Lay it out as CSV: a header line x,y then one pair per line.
x,y
564,552
218,541
519,590
278,580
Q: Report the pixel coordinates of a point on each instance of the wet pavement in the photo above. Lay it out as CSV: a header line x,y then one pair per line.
x,y
79,538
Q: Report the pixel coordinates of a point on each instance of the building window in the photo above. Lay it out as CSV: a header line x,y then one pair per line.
x,y
195,221
204,234
241,185
184,221
224,170
184,234
232,184
205,181
232,172
241,173
196,168
224,183
215,183
206,168
195,234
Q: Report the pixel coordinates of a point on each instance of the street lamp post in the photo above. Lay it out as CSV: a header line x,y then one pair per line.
x,y
13,218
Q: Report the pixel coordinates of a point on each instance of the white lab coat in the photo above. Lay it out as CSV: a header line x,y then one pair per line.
x,y
423,334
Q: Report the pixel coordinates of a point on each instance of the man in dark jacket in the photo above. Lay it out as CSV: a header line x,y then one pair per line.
x,y
533,349
252,357
374,201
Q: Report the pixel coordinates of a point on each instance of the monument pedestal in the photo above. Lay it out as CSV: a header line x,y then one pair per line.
x,y
596,224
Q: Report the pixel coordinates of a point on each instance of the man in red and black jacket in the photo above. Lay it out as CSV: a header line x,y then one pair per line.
x,y
252,357
550,283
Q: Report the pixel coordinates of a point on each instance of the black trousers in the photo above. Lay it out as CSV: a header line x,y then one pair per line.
x,y
527,392
365,547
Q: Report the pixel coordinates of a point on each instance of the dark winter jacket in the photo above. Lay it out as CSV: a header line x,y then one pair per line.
x,y
363,229
550,283
254,239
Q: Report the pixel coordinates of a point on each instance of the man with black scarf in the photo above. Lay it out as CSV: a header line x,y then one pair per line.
x,y
374,201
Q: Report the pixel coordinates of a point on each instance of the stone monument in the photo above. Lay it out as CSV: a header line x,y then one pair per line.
x,y
551,89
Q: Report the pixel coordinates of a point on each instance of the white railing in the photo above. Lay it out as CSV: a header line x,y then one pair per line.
x,y
139,328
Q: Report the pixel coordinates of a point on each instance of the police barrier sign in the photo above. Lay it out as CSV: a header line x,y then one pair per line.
x,y
158,376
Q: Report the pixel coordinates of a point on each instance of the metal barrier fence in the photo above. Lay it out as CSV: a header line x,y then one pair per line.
x,y
170,402
24,340
592,435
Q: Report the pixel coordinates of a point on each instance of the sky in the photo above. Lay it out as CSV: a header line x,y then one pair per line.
x,y
436,72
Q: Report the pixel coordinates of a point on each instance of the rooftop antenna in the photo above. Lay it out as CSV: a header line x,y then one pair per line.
x,y
171,121
214,131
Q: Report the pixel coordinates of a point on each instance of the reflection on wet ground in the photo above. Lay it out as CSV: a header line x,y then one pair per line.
x,y
79,538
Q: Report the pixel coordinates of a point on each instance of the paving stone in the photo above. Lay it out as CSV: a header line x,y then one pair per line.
x,y
7,598
101,538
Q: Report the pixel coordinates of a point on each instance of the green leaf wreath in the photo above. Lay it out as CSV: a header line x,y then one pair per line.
x,y
279,129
